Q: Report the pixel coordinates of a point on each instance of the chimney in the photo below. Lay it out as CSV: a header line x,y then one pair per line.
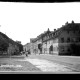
x,y
72,22
54,29
48,29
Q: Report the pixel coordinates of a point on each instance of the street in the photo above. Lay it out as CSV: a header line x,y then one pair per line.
x,y
33,63
48,66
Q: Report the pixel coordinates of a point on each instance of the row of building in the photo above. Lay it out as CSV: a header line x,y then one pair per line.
x,y
57,42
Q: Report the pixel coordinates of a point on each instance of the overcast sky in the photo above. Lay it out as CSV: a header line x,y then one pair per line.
x,y
22,21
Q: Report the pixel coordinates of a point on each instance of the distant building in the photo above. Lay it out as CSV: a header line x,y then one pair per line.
x,y
38,43
18,42
26,47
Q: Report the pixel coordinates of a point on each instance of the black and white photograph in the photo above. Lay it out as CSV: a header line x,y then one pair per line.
x,y
40,37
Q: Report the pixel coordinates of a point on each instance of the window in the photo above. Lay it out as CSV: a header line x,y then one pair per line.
x,y
62,48
73,39
62,40
68,32
79,32
79,39
73,31
68,39
68,49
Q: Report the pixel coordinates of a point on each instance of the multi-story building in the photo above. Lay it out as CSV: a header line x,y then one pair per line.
x,y
32,45
68,35
57,42
26,47
37,43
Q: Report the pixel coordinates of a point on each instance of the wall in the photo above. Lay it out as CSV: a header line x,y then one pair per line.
x,y
64,48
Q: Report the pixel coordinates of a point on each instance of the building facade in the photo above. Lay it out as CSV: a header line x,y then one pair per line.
x,y
26,47
57,42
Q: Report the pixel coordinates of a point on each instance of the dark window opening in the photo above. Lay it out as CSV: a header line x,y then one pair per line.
x,y
74,39
73,31
68,32
68,50
79,39
68,39
79,32
62,40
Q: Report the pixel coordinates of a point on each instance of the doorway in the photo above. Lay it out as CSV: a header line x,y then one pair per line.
x,y
51,49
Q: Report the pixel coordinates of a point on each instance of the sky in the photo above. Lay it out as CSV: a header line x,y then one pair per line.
x,y
22,21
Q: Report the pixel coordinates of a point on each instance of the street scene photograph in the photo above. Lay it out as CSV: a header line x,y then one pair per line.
x,y
40,37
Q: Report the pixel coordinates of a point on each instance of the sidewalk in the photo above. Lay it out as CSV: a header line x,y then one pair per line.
x,y
70,61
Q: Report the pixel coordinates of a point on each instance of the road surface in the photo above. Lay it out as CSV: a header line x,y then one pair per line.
x,y
48,66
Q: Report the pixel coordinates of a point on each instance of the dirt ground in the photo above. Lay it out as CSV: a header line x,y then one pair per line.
x,y
13,64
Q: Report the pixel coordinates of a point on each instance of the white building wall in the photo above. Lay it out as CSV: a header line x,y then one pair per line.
x,y
49,43
44,47
55,46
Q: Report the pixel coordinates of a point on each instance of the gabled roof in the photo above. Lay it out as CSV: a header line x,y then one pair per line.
x,y
67,26
43,34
